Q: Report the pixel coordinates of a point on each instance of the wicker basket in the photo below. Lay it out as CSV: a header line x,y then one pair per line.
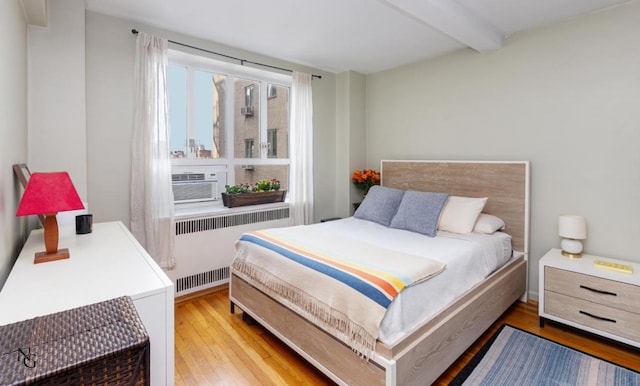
x,y
100,344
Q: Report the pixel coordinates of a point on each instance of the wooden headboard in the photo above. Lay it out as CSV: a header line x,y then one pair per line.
x,y
506,184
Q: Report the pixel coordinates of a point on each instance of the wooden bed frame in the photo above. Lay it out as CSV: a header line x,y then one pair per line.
x,y
422,356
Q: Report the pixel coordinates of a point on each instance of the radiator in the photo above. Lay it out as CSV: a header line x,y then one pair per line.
x,y
205,245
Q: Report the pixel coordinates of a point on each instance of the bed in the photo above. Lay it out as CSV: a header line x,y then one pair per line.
x,y
427,348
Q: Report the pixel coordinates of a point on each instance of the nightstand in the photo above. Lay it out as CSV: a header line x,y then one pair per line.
x,y
577,293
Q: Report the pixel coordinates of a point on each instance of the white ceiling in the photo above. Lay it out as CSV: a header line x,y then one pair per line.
x,y
360,35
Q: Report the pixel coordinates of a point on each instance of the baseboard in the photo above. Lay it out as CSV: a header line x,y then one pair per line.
x,y
200,294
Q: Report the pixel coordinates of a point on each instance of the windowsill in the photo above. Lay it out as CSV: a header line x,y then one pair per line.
x,y
200,209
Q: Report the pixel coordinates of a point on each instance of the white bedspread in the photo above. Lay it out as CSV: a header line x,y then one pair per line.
x,y
468,258
343,287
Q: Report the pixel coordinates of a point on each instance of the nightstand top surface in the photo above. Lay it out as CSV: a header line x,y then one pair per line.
x,y
584,265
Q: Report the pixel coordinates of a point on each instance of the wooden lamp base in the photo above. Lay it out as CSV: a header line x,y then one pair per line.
x,y
51,242
43,257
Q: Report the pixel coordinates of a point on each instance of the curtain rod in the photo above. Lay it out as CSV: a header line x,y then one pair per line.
x,y
242,61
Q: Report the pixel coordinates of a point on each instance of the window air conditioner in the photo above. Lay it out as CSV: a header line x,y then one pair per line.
x,y
194,187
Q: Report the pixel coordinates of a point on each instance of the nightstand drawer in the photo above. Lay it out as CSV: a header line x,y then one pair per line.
x,y
594,289
598,316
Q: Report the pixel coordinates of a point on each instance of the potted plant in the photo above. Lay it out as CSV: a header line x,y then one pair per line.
x,y
262,192
364,179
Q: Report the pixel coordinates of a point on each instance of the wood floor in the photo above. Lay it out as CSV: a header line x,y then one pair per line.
x,y
215,347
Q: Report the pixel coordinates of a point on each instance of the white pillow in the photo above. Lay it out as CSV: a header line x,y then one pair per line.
x,y
488,224
460,214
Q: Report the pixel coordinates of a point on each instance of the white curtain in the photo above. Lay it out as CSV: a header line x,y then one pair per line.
x,y
152,220
301,186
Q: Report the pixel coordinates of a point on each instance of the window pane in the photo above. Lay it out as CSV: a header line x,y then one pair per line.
x,y
177,88
272,91
263,172
272,143
278,121
209,115
247,118
248,148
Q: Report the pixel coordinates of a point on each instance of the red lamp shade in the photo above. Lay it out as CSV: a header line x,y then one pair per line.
x,y
48,194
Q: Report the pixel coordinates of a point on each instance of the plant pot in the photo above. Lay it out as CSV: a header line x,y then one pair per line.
x,y
243,199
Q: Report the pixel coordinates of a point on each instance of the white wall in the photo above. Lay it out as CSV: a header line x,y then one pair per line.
x,y
110,49
57,113
350,140
566,97
13,129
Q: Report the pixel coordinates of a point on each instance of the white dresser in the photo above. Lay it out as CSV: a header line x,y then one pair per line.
x,y
105,264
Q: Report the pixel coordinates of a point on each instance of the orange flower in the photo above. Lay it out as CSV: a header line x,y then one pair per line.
x,y
364,179
357,177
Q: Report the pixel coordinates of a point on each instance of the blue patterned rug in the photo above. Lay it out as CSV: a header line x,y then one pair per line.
x,y
516,357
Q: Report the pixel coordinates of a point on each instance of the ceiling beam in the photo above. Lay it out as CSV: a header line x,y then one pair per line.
x,y
454,20
35,12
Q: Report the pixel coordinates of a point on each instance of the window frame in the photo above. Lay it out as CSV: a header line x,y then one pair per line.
x,y
264,78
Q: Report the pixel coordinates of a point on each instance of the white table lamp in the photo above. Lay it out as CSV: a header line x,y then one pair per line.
x,y
572,229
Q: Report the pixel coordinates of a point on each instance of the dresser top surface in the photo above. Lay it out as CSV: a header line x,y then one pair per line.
x,y
104,264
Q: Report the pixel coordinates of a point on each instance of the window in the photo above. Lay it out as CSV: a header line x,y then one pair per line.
x,y
272,91
231,118
248,148
177,86
196,118
272,143
247,110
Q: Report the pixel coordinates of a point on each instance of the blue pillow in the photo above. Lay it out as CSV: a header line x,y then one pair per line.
x,y
419,212
379,205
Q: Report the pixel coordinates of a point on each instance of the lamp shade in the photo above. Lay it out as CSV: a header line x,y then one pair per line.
x,y
572,227
49,193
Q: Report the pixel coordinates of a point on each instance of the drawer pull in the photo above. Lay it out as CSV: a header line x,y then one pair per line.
x,y
597,317
599,291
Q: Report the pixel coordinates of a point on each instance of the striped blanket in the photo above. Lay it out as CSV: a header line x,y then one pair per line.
x,y
344,286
